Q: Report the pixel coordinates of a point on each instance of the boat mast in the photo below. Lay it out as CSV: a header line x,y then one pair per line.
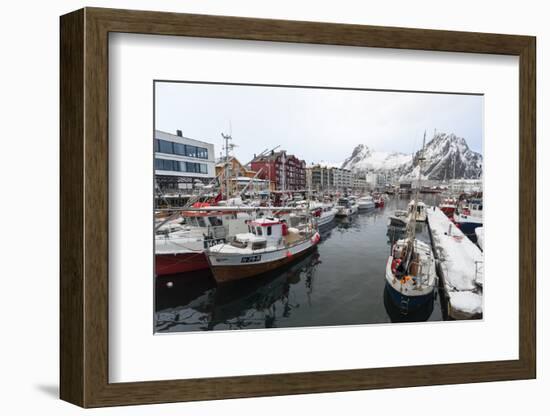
x,y
411,226
227,147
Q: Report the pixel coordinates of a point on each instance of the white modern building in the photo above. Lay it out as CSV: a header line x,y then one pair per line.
x,y
182,163
343,178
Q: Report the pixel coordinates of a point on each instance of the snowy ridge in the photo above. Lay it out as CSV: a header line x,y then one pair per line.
x,y
447,156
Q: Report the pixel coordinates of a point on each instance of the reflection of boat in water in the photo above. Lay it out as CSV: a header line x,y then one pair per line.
x,y
251,303
269,294
396,314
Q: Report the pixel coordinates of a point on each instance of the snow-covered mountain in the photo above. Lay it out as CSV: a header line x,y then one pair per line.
x,y
447,156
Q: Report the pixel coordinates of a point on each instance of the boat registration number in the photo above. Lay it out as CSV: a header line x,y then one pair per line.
x,y
213,242
251,259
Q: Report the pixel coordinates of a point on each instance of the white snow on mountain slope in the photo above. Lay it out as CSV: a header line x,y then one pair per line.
x,y
446,156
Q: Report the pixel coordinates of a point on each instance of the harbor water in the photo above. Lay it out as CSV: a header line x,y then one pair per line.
x,y
341,282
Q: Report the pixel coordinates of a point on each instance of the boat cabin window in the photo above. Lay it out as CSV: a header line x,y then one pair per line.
x,y
259,231
258,245
215,221
269,230
201,222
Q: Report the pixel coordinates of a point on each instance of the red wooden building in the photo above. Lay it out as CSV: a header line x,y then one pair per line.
x,y
285,172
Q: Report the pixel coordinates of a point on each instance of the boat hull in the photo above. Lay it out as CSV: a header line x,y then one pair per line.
x,y
397,222
168,264
365,207
408,303
229,268
326,220
408,297
469,229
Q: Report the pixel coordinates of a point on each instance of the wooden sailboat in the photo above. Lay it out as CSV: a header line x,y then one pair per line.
x,y
410,270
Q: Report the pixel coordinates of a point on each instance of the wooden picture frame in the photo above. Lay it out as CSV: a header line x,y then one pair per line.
x,y
84,207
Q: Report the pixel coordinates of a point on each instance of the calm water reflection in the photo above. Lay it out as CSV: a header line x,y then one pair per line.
x,y
340,283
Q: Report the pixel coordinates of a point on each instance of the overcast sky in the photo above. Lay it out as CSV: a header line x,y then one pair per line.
x,y
317,125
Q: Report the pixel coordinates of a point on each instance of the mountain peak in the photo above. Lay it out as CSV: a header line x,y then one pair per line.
x,y
447,156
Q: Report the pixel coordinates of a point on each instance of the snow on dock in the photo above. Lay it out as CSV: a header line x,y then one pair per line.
x,y
460,266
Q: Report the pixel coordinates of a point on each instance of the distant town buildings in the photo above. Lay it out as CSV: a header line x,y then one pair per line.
x,y
284,171
466,185
182,163
330,178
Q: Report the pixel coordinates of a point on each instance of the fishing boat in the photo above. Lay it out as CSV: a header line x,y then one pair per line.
x,y
346,207
448,206
365,203
399,218
419,208
469,217
268,245
410,270
324,214
179,247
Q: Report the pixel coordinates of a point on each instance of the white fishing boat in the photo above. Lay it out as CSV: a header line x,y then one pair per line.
x,y
469,217
419,208
268,245
179,247
410,270
399,218
365,203
324,214
346,207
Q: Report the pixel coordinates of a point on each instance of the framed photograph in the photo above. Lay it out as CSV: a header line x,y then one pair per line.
x,y
255,207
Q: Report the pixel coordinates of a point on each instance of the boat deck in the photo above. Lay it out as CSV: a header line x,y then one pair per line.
x,y
460,266
293,238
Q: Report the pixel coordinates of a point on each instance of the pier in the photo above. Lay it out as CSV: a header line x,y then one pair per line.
x,y
459,266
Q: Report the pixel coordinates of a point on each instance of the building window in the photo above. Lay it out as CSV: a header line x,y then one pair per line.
x,y
191,150
166,147
179,149
202,153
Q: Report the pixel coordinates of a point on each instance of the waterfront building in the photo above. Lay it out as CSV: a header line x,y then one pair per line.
x,y
343,178
360,182
182,163
320,177
284,171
